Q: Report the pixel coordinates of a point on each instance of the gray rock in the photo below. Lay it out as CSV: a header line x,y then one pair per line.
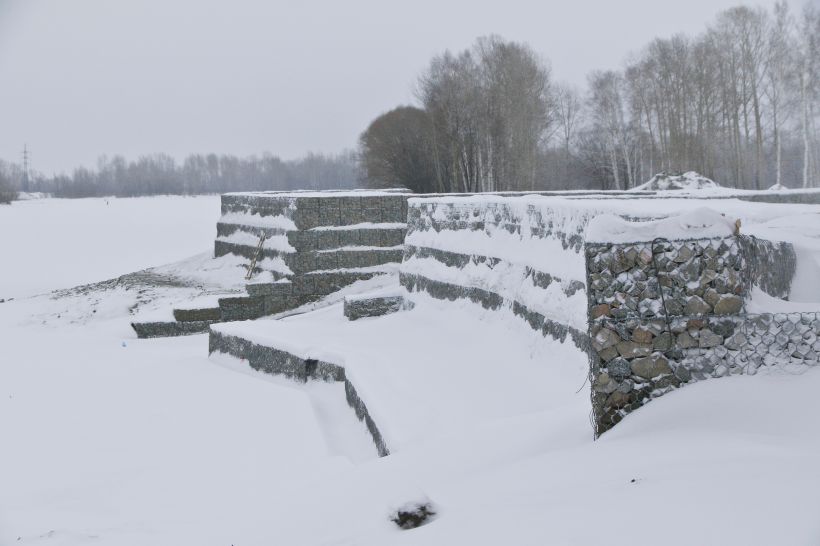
x,y
642,335
686,341
674,307
721,371
683,373
608,354
605,384
651,366
711,296
696,306
736,342
666,381
663,342
617,399
684,254
708,338
601,310
728,304
707,276
630,349
619,369
605,338
625,386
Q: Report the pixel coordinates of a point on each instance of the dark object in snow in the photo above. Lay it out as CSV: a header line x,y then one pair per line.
x,y
414,515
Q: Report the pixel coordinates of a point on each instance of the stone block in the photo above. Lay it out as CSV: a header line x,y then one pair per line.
x,y
356,308
197,315
369,237
327,260
651,366
350,237
326,239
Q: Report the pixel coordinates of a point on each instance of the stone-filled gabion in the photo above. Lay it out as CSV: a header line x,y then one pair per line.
x,y
701,277
358,307
664,314
496,219
275,361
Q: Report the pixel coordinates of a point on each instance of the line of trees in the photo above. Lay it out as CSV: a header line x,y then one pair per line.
x,y
8,175
198,174
738,103
484,116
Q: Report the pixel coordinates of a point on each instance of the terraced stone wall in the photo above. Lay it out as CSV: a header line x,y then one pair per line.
x,y
315,244
663,314
512,252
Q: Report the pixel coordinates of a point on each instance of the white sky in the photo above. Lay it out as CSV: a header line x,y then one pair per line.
x,y
82,78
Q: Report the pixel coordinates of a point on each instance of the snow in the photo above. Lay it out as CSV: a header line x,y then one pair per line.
x,y
390,268
324,193
277,221
120,441
777,187
360,248
802,230
29,195
761,302
59,243
278,243
363,225
521,249
277,263
469,383
509,281
700,223
686,182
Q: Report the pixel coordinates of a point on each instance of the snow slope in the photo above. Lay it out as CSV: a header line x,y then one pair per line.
x,y
59,243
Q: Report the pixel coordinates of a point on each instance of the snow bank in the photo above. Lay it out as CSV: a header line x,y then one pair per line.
x,y
701,223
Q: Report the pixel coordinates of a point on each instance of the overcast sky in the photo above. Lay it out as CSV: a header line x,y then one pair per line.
x,y
82,78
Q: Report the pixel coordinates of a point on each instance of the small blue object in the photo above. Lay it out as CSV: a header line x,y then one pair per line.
x,y
123,344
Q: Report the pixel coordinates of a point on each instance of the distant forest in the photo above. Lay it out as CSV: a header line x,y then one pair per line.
x,y
738,103
198,174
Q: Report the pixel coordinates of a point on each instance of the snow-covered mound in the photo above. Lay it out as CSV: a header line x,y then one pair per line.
x,y
687,181
777,187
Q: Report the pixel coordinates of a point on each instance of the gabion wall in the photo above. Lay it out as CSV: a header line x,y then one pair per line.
x,y
664,314
521,287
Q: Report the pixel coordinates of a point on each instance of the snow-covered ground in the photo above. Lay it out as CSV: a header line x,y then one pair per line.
x,y
60,243
111,440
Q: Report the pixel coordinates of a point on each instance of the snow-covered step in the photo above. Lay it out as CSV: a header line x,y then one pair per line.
x,y
269,359
170,328
198,315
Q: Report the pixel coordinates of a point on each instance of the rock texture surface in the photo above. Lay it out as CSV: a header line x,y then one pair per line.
x,y
358,307
306,244
663,314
